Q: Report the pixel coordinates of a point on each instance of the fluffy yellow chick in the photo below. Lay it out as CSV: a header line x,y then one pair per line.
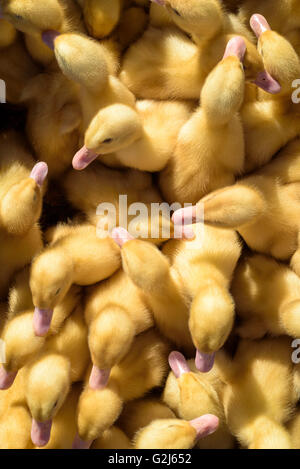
x,y
137,138
53,120
75,256
115,311
202,164
267,297
142,369
262,207
48,377
191,394
259,397
271,123
166,64
187,287
21,195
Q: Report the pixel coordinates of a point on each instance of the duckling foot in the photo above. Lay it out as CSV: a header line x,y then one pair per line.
x,y
178,364
41,321
99,378
40,432
81,444
205,425
6,379
39,173
204,361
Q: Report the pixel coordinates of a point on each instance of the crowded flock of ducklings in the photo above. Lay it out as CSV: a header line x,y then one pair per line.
x,y
132,341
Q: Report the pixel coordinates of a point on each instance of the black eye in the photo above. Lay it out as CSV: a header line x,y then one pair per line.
x,y
107,140
58,291
55,405
176,12
18,17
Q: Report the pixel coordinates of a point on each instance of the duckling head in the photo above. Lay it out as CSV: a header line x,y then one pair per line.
x,y
112,129
47,386
33,17
97,411
280,59
202,18
50,280
75,63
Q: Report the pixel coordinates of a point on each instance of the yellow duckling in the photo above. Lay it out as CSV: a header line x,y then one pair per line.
x,y
75,256
267,297
259,397
262,207
53,120
115,311
143,369
21,194
200,165
21,342
271,123
166,64
175,433
187,287
49,376
191,394
137,138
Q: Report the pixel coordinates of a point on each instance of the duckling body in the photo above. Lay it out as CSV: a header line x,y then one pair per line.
x,y
200,165
113,438
115,311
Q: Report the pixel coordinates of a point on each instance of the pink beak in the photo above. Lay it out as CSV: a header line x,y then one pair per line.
x,y
39,173
99,378
83,158
178,364
267,83
40,432
205,425
42,321
81,444
204,361
6,379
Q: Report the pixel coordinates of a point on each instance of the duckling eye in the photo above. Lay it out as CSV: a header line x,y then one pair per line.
x,y
176,12
18,17
55,405
57,292
107,140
